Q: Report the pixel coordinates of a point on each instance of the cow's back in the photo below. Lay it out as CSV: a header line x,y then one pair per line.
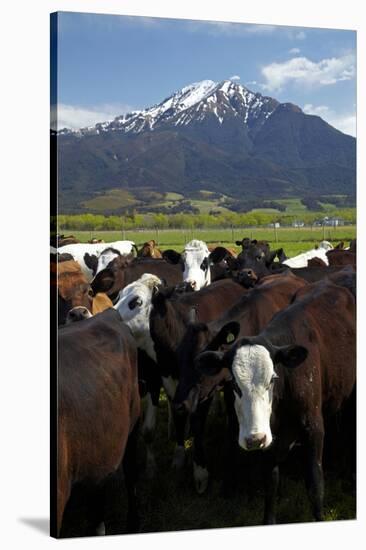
x,y
98,394
322,319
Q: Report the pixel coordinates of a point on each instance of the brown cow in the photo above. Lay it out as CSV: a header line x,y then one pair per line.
x,y
98,407
63,241
74,290
278,405
339,257
149,250
232,252
316,262
96,241
125,270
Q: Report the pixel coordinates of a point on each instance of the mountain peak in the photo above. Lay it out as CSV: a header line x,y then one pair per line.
x,y
195,103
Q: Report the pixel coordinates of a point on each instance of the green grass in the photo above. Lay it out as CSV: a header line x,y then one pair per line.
x,y
111,200
166,511
169,502
293,240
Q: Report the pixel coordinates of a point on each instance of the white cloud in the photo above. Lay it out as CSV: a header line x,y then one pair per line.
x,y
235,77
294,50
345,122
303,71
251,83
301,35
74,116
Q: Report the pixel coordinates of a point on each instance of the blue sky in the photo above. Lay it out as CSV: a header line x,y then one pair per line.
x,y
108,65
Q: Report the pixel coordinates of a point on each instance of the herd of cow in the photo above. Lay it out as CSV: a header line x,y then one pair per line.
x,y
276,335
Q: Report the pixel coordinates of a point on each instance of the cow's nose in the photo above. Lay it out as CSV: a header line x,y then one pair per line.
x,y
255,441
192,283
77,314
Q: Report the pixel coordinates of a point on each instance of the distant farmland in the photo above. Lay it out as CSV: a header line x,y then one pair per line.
x,y
293,240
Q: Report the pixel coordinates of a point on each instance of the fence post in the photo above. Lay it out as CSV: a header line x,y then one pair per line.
x,y
157,235
323,231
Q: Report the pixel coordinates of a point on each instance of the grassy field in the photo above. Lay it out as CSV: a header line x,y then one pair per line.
x,y
169,502
293,240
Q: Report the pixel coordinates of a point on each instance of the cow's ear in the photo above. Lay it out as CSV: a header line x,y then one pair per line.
x,y
254,241
290,356
238,243
103,281
91,261
209,363
226,335
172,256
218,254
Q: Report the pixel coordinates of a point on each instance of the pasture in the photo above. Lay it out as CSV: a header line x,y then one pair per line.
x,y
169,502
293,240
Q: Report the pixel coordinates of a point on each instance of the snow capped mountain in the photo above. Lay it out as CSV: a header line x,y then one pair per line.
x,y
195,103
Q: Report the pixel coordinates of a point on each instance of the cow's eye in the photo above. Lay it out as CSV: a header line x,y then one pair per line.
x,y
134,302
274,377
204,264
90,292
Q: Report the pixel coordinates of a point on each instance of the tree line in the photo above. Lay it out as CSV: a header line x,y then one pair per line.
x,y
99,222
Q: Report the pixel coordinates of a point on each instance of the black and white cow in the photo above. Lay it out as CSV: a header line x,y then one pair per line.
x,y
96,257
134,306
196,261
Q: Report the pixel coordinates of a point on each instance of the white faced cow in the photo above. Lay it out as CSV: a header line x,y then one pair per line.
x,y
301,260
95,257
134,306
196,261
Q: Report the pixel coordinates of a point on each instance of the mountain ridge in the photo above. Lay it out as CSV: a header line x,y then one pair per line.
x,y
213,136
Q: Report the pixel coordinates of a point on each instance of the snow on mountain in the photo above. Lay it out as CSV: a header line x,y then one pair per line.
x,y
193,103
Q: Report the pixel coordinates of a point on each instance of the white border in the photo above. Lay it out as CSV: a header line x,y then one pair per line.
x,y
24,268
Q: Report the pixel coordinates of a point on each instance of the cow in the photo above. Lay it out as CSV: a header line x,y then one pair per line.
x,y
88,255
345,277
149,250
134,307
96,241
100,302
123,270
231,251
248,316
289,379
301,260
170,315
257,256
195,262
339,257
61,240
98,408
74,290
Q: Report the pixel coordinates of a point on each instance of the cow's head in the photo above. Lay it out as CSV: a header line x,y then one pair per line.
x,y
149,250
73,289
250,366
199,337
257,256
134,306
111,278
196,260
